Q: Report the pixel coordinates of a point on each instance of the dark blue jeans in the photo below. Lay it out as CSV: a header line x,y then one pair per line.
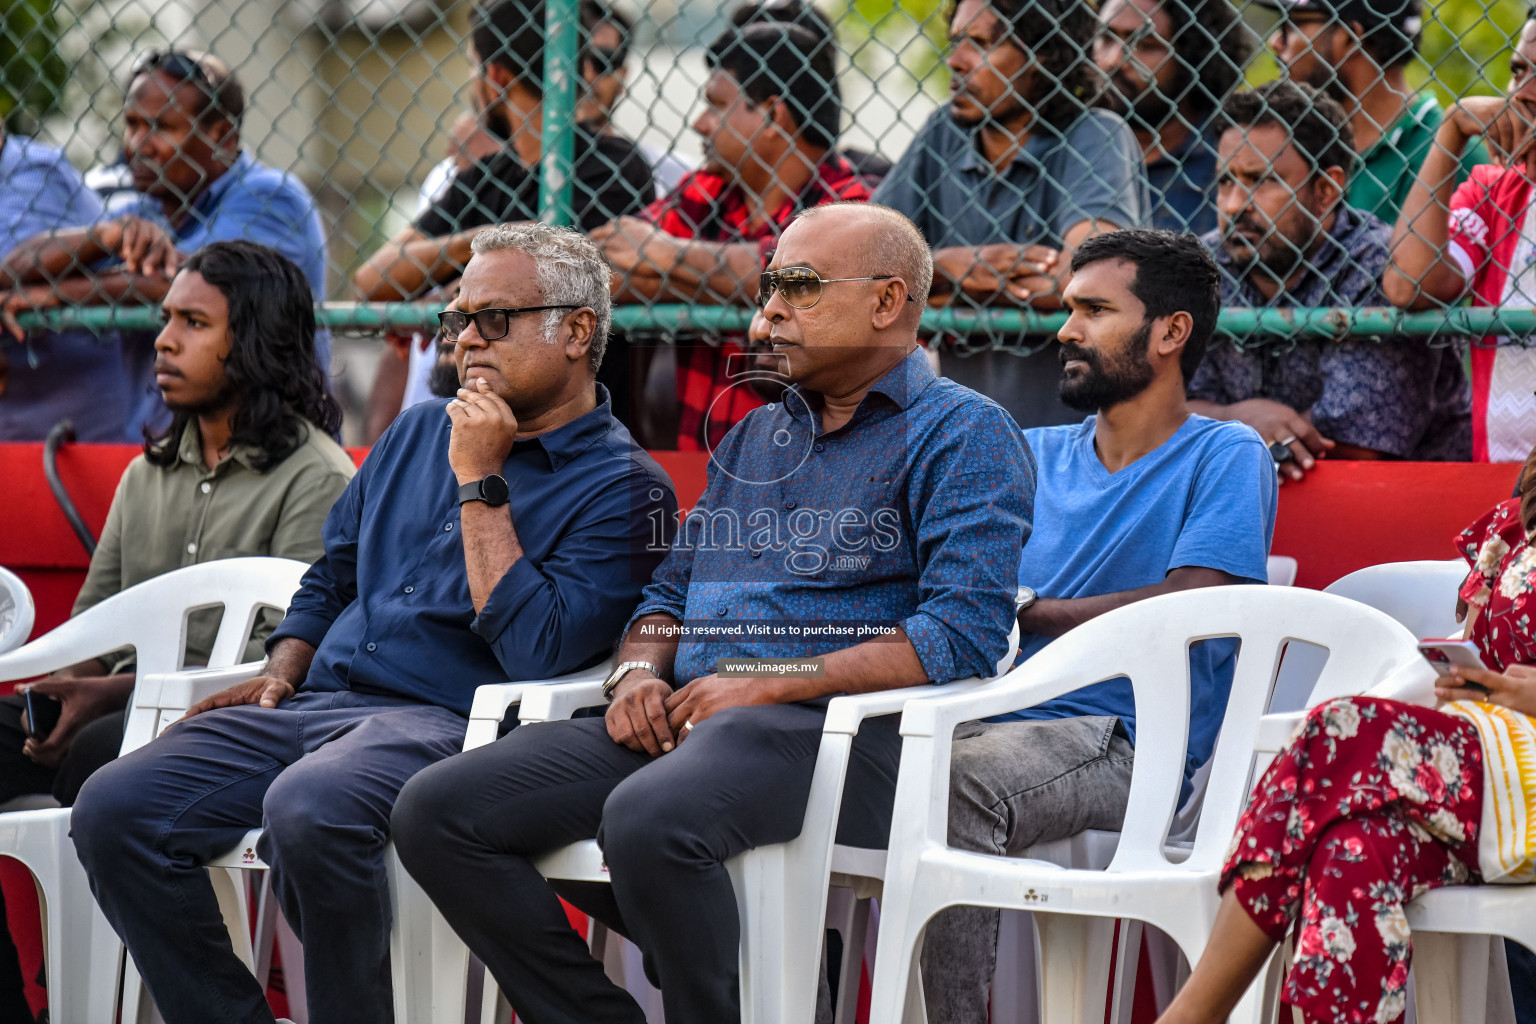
x,y
320,772
467,829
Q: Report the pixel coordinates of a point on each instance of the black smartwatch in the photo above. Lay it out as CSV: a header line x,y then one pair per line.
x,y
492,490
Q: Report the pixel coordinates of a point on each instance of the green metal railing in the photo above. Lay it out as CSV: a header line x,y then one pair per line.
x,y
675,319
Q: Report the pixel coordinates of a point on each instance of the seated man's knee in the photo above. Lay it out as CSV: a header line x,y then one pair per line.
x,y
299,819
423,817
110,810
643,824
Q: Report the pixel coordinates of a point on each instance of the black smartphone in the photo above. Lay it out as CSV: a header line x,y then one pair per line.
x,y
42,714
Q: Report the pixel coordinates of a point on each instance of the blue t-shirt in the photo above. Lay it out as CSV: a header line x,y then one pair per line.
x,y
1205,498
250,201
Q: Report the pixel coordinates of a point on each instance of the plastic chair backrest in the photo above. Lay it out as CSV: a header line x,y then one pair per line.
x,y
17,612
1421,595
1147,643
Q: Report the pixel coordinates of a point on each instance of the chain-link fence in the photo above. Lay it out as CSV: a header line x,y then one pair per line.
x,y
369,139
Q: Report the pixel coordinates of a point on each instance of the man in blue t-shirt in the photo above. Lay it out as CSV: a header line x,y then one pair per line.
x,y
1143,498
196,184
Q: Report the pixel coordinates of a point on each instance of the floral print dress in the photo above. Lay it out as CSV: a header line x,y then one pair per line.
x,y
1376,802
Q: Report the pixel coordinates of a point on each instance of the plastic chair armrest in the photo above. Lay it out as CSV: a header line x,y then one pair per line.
x,y
180,690
846,713
493,699
1275,731
556,702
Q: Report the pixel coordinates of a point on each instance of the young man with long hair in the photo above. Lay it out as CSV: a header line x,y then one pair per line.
x,y
246,467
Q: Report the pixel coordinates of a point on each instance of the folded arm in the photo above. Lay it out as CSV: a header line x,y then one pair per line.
x,y
651,265
410,263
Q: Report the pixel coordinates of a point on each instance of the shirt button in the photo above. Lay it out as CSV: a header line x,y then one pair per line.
x,y
721,611
409,590
192,548
207,487
447,527
789,504
757,554
372,646
820,446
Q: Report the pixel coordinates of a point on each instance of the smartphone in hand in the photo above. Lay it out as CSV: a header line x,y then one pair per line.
x,y
1442,654
42,714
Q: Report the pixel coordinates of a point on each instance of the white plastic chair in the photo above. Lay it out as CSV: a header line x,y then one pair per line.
x,y
1421,594
1281,571
429,964
17,612
1147,642
781,889
81,949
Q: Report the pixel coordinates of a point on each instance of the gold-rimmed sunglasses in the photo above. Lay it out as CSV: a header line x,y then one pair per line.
x,y
801,286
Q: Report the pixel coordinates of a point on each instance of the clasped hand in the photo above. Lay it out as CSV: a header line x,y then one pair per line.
x,y
648,716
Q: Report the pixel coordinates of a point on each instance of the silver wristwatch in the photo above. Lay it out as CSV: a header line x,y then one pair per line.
x,y
623,669
1025,597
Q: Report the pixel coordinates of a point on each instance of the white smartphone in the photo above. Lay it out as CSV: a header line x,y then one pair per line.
x,y
1442,654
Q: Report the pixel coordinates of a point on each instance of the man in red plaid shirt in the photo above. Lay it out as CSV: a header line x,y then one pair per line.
x,y
772,113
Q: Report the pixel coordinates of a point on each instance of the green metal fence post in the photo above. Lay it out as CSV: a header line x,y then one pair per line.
x,y
561,80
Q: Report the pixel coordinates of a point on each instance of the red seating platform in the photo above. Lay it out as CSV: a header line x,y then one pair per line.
x,y
1343,517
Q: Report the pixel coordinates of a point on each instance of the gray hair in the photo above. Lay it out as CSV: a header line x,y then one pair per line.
x,y
569,270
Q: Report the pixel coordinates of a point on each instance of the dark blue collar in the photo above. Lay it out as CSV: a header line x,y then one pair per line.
x,y
566,442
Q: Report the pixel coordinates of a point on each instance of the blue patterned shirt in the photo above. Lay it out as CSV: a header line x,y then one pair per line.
x,y
911,515
1397,395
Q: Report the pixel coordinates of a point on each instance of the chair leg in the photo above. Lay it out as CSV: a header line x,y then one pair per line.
x,y
1128,947
851,972
429,963
1074,966
1450,977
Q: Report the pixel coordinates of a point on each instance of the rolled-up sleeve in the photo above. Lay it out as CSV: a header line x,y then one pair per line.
x,y
331,583
973,508
546,619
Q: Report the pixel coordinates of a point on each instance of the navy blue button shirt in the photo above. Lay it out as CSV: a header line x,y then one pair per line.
x,y
388,608
911,515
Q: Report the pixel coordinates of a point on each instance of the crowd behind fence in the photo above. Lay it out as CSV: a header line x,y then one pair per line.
x,y
376,137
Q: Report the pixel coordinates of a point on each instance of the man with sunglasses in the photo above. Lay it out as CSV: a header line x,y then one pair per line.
x,y
863,532
504,534
1357,52
182,147
611,176
1013,174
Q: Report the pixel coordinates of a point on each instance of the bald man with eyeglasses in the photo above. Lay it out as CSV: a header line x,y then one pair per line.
x,y
859,534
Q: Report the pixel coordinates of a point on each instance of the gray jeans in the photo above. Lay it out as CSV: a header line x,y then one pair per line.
x,y
1012,785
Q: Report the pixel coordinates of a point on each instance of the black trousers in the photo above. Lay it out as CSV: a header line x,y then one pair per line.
x,y
467,827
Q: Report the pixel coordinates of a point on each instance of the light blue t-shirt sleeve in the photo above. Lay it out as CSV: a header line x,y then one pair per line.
x,y
1231,520
47,193
1106,172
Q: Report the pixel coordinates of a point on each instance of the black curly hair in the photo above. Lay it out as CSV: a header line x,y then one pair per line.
x,y
1058,36
1212,47
271,373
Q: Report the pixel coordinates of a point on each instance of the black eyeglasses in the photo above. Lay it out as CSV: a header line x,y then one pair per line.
x,y
491,323
801,286
178,65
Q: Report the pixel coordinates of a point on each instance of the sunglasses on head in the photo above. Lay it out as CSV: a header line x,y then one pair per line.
x,y
178,65
491,323
801,286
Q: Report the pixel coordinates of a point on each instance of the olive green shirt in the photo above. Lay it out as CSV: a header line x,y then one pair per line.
x,y
1389,168
166,518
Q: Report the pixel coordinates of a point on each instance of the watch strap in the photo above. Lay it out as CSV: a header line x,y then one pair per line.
x,y
621,670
